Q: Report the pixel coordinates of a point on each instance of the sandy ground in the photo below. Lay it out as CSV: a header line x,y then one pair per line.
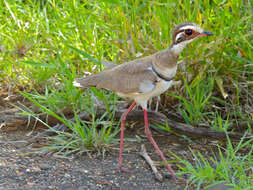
x,y
20,168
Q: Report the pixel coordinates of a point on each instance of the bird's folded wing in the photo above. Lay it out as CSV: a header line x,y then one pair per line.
x,y
131,77
127,83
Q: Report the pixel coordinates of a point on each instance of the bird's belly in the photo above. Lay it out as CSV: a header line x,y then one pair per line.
x,y
160,88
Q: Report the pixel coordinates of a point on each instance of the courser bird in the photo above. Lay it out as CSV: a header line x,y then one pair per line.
x,y
144,78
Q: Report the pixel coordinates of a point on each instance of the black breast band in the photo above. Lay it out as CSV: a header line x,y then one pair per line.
x,y
161,75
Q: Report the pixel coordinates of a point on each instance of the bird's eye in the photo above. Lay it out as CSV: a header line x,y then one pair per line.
x,y
188,32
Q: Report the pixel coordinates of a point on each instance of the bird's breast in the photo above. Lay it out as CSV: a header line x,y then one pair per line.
x,y
161,87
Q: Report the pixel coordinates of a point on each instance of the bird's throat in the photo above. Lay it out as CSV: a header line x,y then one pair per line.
x,y
176,49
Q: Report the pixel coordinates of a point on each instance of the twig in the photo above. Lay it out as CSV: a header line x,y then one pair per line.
x,y
144,154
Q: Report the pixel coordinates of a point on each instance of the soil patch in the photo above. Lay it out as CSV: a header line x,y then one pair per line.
x,y
23,167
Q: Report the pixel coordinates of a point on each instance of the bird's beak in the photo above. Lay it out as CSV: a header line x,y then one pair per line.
x,y
205,33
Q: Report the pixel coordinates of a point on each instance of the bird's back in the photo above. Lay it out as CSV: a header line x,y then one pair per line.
x,y
125,78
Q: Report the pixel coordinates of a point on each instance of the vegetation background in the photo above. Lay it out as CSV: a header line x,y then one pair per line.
x,y
45,44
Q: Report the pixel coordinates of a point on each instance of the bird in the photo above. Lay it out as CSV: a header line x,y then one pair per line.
x,y
144,78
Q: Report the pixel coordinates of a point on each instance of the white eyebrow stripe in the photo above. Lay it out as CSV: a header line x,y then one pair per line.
x,y
196,28
188,27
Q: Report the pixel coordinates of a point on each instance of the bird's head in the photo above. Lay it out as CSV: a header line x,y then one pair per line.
x,y
186,33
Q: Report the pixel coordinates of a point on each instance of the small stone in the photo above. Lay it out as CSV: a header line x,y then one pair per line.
x,y
44,166
85,171
30,184
36,169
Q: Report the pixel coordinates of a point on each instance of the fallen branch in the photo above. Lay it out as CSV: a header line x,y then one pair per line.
x,y
181,128
137,115
145,155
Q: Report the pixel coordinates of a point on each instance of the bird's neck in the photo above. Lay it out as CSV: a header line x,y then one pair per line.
x,y
176,49
165,59
165,62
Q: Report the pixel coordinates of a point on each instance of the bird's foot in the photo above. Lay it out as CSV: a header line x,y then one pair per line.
x,y
124,170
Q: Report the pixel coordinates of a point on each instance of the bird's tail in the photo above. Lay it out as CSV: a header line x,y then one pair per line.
x,y
86,82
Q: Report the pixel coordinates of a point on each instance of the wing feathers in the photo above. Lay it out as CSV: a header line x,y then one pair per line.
x,y
119,82
125,78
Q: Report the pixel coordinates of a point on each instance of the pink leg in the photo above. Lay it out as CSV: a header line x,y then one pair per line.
x,y
123,119
149,135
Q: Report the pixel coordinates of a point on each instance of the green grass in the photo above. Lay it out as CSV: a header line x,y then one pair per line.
x,y
229,165
196,101
44,45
